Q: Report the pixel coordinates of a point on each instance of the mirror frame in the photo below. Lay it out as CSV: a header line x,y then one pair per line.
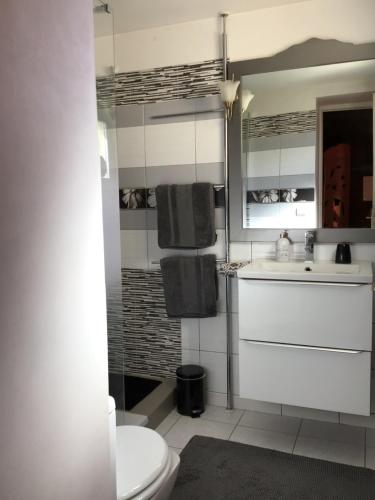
x,y
313,52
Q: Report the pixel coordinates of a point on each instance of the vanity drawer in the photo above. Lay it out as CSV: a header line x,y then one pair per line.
x,y
326,380
337,315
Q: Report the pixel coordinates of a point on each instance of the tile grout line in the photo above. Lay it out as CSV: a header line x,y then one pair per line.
x,y
297,436
178,419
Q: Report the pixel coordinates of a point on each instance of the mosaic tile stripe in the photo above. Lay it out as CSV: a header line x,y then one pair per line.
x,y
147,341
115,321
160,84
286,123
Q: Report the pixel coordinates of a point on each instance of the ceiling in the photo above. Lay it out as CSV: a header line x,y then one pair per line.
x,y
132,15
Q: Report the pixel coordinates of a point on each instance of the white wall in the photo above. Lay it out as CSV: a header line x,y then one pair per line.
x,y
251,35
53,369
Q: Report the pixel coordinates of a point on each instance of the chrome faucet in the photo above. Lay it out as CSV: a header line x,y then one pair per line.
x,y
309,246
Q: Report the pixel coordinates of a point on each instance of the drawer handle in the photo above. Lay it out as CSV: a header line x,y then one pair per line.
x,y
304,347
316,283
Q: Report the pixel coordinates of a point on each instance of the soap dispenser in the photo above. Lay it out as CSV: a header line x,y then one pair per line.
x,y
283,248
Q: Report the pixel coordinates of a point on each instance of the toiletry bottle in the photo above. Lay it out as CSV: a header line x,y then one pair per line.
x,y
283,248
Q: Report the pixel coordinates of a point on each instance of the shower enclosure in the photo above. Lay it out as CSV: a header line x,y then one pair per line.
x,y
130,387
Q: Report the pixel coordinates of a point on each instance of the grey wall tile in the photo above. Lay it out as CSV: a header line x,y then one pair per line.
x,y
212,103
298,140
133,219
152,219
262,143
159,109
172,174
210,172
154,112
256,183
282,181
132,177
297,181
131,115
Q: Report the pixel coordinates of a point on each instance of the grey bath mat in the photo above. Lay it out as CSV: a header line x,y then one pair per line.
x,y
213,469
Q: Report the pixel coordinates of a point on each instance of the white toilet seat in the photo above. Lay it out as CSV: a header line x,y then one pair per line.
x,y
143,462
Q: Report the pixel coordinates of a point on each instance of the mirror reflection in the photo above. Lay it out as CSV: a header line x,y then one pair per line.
x,y
307,142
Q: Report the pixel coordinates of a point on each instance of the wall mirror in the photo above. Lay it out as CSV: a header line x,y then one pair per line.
x,y
301,154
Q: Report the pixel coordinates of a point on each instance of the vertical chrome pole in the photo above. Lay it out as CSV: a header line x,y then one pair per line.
x,y
228,287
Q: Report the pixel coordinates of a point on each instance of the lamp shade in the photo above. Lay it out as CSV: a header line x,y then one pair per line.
x,y
228,90
246,97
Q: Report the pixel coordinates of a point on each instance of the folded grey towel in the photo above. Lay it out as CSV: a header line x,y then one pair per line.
x,y
190,286
186,215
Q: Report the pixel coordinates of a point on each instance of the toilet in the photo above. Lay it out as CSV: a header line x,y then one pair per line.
x,y
146,469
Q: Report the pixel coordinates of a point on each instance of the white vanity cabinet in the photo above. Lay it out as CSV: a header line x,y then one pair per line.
x,y
306,343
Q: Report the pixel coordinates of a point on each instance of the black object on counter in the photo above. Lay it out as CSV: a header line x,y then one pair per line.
x,y
190,390
343,254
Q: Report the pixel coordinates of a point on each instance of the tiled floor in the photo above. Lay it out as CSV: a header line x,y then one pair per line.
x,y
325,440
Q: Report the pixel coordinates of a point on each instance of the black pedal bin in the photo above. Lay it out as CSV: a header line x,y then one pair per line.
x,y
190,390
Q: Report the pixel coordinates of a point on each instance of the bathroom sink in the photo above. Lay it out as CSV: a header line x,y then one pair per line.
x,y
326,271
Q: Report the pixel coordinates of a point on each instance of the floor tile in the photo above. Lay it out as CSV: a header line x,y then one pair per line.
x,y
187,427
220,414
267,422
370,458
264,439
168,422
332,432
334,451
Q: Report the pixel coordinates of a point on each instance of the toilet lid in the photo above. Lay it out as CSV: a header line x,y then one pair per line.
x,y
141,456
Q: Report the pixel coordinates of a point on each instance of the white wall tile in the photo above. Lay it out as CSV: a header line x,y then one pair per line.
x,y
210,141
155,253
170,144
215,365
221,302
219,248
240,251
190,333
213,333
263,250
363,252
298,251
131,147
297,161
324,252
263,163
189,356
134,249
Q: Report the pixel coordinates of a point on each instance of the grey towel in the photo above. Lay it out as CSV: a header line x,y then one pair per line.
x,y
190,286
186,215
